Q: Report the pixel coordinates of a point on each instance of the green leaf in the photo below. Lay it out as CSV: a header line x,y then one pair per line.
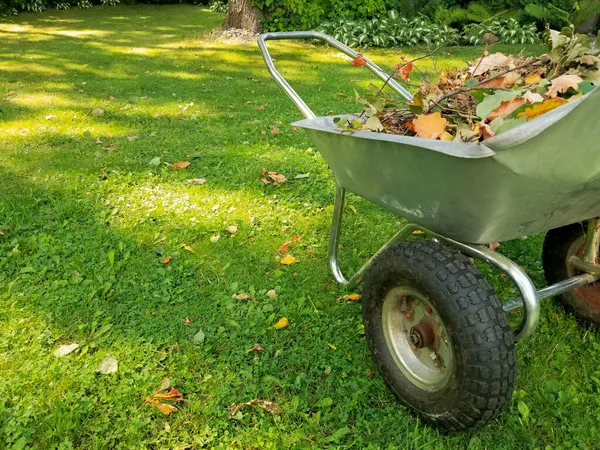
x,y
524,410
472,82
491,102
338,434
393,14
155,162
374,124
111,257
198,337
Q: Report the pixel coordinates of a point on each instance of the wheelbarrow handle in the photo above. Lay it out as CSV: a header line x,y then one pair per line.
x,y
302,106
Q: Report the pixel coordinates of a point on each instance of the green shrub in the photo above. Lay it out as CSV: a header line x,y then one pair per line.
x,y
391,31
509,31
219,6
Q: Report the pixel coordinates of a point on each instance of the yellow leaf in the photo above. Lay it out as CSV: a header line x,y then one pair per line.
x,y
446,136
288,259
281,323
562,84
162,407
430,126
532,79
537,109
351,297
332,347
188,248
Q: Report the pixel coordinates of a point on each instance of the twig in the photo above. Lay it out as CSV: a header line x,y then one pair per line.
x,y
522,66
462,90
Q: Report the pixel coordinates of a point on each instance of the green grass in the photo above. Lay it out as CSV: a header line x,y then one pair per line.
x,y
85,230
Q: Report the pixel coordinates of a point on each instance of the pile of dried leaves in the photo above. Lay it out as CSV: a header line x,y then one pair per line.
x,y
494,94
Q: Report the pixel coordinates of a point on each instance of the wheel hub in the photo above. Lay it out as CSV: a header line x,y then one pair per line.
x,y
417,338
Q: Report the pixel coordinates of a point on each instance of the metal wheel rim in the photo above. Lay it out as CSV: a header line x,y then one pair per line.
x,y
404,311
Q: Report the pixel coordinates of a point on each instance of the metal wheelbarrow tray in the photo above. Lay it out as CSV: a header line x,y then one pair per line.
x,y
543,175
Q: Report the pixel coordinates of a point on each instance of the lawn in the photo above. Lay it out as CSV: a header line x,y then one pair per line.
x,y
89,211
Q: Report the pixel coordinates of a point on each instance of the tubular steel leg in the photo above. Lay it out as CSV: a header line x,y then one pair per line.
x,y
336,228
592,242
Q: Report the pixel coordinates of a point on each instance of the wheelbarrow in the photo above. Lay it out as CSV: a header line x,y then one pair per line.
x,y
439,334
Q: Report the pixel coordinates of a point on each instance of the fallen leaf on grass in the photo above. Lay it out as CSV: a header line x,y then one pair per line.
x,y
272,293
562,84
232,229
167,427
358,61
215,238
50,116
187,322
284,248
172,396
301,176
197,181
351,297
164,384
281,323
199,337
256,348
538,109
261,107
155,162
64,350
97,112
275,131
180,165
288,259
188,248
271,407
243,297
167,260
430,126
99,141
332,347
108,365
131,138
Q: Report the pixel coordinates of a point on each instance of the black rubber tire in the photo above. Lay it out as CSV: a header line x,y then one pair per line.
x,y
558,247
481,338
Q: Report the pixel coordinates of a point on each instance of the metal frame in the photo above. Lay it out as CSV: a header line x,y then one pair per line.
x,y
530,298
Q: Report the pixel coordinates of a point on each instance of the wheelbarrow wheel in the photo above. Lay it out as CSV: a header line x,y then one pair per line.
x,y
439,335
559,245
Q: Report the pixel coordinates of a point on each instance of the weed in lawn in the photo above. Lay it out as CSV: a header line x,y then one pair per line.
x,y
88,218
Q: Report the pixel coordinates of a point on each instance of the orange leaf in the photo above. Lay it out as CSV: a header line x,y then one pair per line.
x,y
256,348
537,109
187,322
288,259
162,407
261,107
494,246
404,70
275,131
358,61
284,248
188,248
296,238
351,297
173,395
505,108
562,84
167,260
430,126
496,82
277,177
418,232
180,165
281,323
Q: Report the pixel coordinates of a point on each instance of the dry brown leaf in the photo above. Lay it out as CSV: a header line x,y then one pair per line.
x,y
243,297
358,61
485,131
284,248
131,138
562,84
97,112
496,82
187,322
256,348
164,408
232,229
494,246
404,70
277,177
180,165
167,260
261,107
505,108
487,63
288,259
215,238
538,109
281,323
533,97
271,407
197,181
430,126
272,293
275,131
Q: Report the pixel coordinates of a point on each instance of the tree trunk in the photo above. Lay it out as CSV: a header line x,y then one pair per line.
x,y
243,15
